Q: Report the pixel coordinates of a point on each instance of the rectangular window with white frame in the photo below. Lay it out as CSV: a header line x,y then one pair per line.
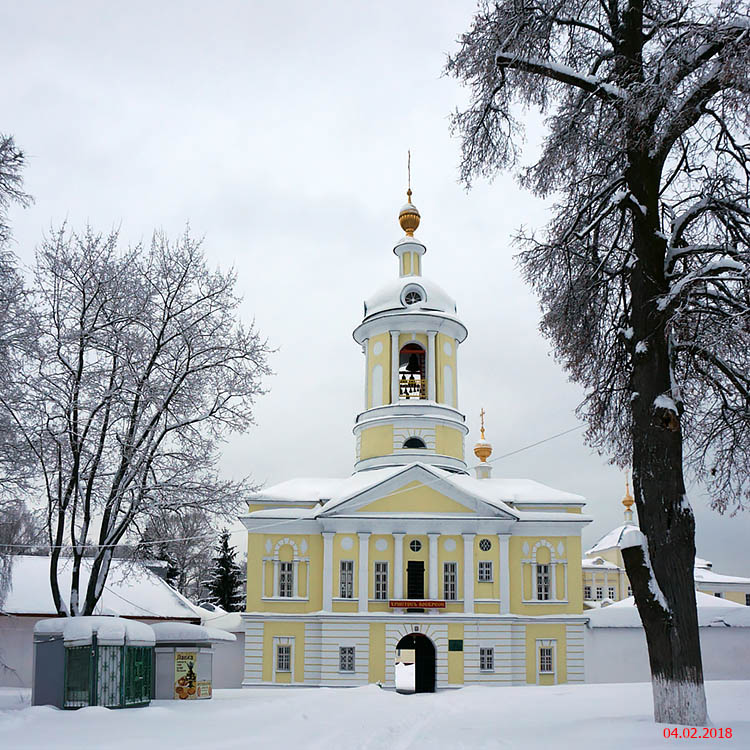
x,y
283,658
346,578
346,659
542,582
587,593
381,580
286,579
599,593
612,593
450,575
484,571
546,662
486,659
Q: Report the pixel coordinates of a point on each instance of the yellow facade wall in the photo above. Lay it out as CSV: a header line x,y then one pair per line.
x,y
486,590
442,359
375,555
422,555
384,360
456,556
294,630
415,497
376,441
449,441
339,554
555,632
376,664
455,658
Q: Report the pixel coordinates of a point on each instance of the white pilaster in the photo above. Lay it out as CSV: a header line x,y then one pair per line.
x,y
552,580
328,570
364,569
276,577
455,375
394,366
366,347
503,542
433,569
534,586
431,353
295,578
468,572
398,565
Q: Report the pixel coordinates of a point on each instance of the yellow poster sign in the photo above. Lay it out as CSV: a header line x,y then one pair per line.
x,y
185,679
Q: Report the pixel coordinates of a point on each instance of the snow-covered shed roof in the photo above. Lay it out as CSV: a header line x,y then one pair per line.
x,y
598,563
612,539
110,631
132,590
711,611
185,632
389,297
703,575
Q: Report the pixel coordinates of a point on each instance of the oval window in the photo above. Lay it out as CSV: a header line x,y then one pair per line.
x,y
415,545
411,298
485,545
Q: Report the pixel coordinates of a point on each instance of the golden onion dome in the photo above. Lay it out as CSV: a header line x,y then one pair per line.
x,y
408,217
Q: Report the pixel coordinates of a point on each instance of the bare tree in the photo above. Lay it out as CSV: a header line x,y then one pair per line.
x,y
643,271
141,368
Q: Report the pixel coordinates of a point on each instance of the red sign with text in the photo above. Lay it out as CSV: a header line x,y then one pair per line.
x,y
417,603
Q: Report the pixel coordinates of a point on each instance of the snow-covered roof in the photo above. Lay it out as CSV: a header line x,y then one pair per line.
x,y
711,610
701,563
185,632
110,631
231,622
703,575
612,539
500,493
598,563
388,297
131,590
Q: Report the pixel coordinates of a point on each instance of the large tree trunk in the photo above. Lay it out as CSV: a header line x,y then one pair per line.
x,y
665,590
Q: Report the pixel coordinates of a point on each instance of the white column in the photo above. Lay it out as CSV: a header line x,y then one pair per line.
x,y
276,577
394,366
431,354
606,585
534,589
328,570
552,580
398,565
263,580
433,570
565,580
503,540
366,346
364,569
455,374
468,572
295,578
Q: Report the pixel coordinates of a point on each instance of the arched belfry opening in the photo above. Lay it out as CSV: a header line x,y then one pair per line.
x,y
415,664
412,382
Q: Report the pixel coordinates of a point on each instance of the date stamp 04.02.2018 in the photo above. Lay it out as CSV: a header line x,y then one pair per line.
x,y
698,733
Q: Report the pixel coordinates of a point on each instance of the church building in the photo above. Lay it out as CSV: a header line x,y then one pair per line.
x,y
413,559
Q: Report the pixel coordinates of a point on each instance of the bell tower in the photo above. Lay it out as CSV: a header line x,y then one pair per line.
x,y
410,335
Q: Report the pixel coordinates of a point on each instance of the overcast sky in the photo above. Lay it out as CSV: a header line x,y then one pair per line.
x,y
280,131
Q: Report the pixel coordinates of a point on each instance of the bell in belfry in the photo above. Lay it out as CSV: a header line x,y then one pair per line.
x,y
413,365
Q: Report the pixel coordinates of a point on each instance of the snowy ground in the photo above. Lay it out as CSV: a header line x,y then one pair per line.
x,y
529,718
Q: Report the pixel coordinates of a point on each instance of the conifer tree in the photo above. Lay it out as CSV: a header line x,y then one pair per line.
x,y
225,584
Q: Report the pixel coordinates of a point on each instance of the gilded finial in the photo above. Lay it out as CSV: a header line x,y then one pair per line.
x,y
408,217
628,500
482,450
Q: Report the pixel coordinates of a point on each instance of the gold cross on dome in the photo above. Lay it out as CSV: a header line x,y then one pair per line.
x,y
481,416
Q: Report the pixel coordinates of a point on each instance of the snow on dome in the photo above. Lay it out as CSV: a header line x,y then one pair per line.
x,y
389,297
110,631
613,539
184,632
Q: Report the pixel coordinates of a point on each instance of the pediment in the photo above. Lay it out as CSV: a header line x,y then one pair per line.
x,y
416,491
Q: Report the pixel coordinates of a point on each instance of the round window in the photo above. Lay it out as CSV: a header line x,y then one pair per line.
x,y
412,298
485,545
415,545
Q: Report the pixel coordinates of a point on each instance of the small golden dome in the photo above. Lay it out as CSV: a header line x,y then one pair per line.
x,y
628,501
408,217
483,449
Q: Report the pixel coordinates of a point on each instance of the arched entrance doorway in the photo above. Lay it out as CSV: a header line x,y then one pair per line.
x,y
415,664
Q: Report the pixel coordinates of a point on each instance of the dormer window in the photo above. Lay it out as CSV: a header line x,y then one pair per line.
x,y
414,442
412,294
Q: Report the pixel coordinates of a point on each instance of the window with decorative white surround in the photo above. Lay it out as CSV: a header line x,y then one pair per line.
x,y
284,658
587,592
286,579
381,580
486,659
346,579
346,659
450,592
611,592
545,660
599,593
484,571
549,572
